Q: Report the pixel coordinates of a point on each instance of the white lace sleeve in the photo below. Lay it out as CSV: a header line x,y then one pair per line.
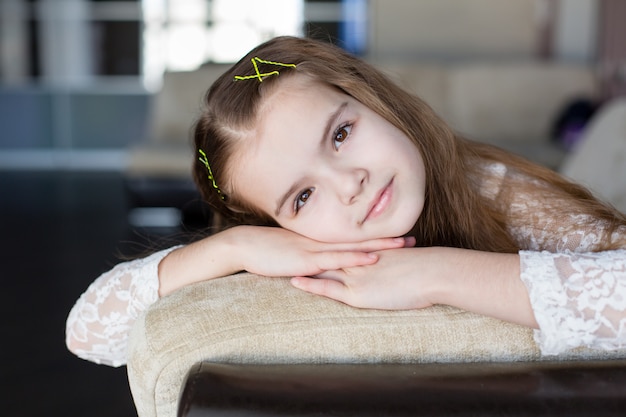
x,y
99,323
579,299
577,289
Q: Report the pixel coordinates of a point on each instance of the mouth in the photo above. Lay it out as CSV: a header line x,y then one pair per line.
x,y
380,203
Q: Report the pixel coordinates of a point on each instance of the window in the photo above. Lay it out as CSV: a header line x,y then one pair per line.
x,y
87,42
183,34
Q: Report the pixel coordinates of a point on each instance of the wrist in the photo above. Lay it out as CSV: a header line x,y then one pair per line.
x,y
235,242
205,259
464,274
485,283
446,282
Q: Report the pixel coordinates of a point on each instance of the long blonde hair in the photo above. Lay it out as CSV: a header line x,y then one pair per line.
x,y
455,213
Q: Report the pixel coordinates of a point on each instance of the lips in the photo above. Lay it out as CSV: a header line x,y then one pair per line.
x,y
380,203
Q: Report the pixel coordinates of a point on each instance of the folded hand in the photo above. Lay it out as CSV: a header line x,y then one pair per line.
x,y
401,279
273,251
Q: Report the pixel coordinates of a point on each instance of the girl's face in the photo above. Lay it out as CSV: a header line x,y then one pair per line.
x,y
327,167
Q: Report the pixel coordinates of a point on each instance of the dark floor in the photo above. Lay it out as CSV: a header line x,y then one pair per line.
x,y
58,232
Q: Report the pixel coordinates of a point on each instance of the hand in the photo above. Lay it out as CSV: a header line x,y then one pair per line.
x,y
272,251
268,251
401,279
408,278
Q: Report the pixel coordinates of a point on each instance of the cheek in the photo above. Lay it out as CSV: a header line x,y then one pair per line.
x,y
320,227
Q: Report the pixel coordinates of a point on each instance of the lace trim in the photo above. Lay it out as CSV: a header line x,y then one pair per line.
x,y
99,323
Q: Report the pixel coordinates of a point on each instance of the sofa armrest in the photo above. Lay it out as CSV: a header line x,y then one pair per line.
x,y
249,319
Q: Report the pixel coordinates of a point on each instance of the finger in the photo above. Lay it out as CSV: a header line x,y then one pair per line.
x,y
329,288
373,245
326,261
336,274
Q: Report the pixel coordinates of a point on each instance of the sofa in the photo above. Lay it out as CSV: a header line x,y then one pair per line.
x,y
599,159
252,345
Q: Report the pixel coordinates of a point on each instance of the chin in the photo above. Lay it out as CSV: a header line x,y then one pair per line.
x,y
410,223
392,232
403,232
406,227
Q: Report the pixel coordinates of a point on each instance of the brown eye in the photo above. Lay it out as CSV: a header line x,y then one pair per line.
x,y
341,134
302,199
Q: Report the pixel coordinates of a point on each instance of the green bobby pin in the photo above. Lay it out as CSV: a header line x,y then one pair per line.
x,y
258,75
205,161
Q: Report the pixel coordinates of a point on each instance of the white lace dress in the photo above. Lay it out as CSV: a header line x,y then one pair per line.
x,y
578,295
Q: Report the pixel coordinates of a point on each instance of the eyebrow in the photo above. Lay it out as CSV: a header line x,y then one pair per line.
x,y
326,133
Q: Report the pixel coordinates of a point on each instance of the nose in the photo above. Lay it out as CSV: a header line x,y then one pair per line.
x,y
349,184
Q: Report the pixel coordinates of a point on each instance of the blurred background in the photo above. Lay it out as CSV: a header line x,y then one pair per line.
x,y
97,99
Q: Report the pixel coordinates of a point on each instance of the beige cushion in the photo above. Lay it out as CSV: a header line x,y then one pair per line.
x,y
513,101
178,103
497,102
160,161
167,151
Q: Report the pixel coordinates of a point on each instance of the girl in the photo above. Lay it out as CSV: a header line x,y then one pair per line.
x,y
333,175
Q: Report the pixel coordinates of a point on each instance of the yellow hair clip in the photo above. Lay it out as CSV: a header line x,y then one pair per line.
x,y
205,161
258,75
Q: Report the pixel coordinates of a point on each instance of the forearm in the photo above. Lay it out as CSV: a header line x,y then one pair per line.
x,y
485,283
212,257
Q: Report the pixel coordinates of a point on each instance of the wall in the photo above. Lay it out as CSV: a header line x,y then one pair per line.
x,y
452,29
